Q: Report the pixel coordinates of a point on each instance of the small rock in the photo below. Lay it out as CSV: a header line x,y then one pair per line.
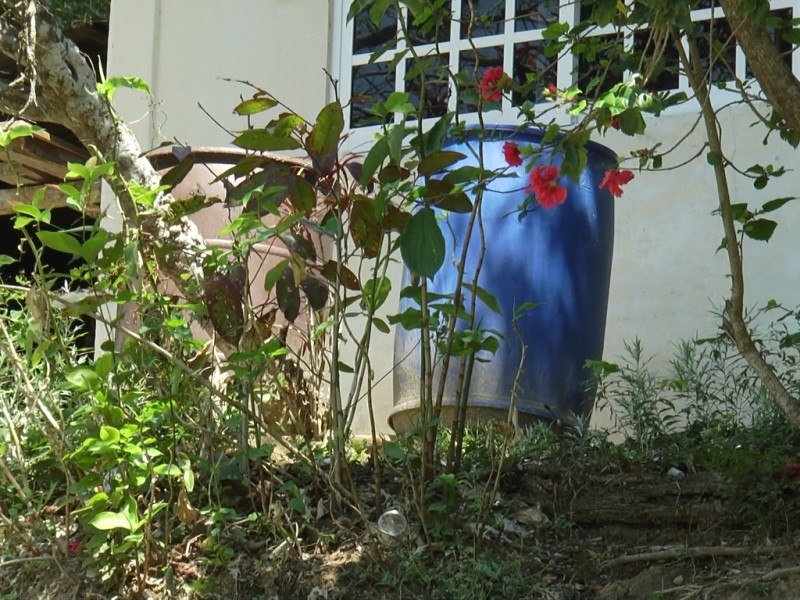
x,y
678,580
676,474
532,516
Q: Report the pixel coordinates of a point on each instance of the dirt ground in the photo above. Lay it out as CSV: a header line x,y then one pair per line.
x,y
614,533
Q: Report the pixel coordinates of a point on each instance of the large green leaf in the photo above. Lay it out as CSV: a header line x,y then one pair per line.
x,y
254,105
111,520
324,138
376,291
374,159
422,244
262,140
760,229
438,161
61,241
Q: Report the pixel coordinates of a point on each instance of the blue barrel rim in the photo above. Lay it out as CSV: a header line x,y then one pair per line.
x,y
522,130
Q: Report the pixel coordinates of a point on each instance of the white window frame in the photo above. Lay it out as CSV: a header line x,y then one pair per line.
x,y
343,61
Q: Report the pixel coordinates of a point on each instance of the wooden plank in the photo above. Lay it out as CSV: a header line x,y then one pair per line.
x,y
16,175
53,198
42,158
45,158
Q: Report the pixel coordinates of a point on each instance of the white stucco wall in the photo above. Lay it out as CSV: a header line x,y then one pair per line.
x,y
667,276
185,48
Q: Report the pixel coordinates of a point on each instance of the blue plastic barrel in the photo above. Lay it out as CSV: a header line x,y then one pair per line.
x,y
558,258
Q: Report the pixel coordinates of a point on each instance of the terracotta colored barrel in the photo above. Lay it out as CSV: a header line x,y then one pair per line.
x,y
558,258
209,163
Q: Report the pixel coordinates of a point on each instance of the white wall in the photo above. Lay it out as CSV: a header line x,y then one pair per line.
x,y
184,48
667,276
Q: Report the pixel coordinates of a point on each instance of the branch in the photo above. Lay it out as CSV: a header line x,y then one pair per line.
x,y
775,77
685,552
733,319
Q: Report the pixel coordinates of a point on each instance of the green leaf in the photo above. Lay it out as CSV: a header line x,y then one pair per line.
x,y
61,241
18,131
555,31
434,139
485,296
714,159
376,291
410,318
109,434
344,367
110,86
422,244
111,520
179,172
254,106
5,259
792,339
631,122
168,470
776,204
602,368
83,379
262,140
740,213
791,36
302,196
374,159
274,274
324,138
393,451
760,229
381,325
94,245
438,161
28,210
395,138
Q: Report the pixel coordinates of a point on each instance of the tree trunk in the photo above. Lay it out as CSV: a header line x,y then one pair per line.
x,y
58,85
776,79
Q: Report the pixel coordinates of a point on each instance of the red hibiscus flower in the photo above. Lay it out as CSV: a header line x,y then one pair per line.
x,y
615,179
544,185
551,90
492,84
511,152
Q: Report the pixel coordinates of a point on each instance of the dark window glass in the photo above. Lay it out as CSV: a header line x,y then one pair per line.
x,y
717,50
777,23
484,58
437,86
600,65
532,70
535,14
482,17
586,9
371,84
662,70
368,37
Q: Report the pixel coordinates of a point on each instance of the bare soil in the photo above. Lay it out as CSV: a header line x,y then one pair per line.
x,y
555,531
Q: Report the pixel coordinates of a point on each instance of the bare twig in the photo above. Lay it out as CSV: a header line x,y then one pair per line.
x,y
685,552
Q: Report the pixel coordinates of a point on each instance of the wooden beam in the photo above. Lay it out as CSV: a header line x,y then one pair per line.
x,y
53,198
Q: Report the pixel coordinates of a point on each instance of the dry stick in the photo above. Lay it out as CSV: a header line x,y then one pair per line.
x,y
734,306
27,387
684,552
779,573
16,561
